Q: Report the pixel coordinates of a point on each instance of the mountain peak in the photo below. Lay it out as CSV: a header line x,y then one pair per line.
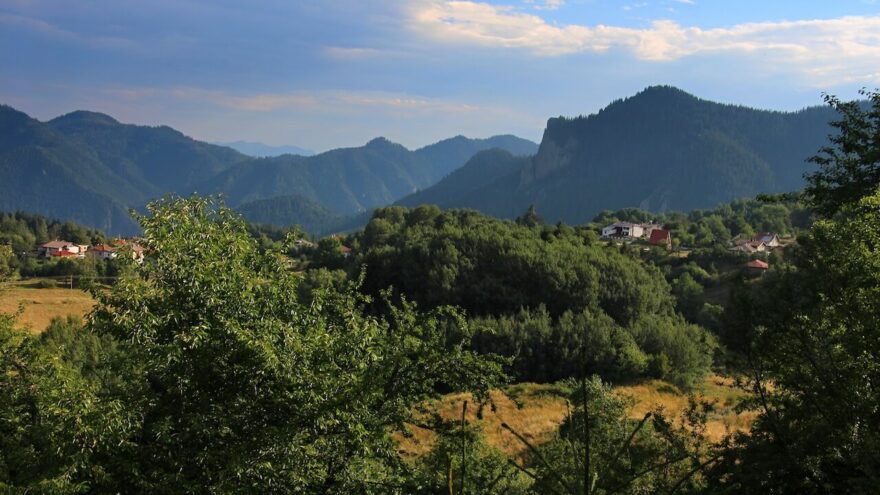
x,y
381,142
84,117
663,90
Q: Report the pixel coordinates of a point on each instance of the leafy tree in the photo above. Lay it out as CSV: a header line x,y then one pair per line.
x,y
8,265
850,164
228,383
462,463
530,218
810,330
600,450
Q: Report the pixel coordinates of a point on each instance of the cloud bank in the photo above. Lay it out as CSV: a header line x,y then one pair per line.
x,y
825,51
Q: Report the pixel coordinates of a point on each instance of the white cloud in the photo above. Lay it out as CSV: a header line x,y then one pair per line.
x,y
826,51
545,4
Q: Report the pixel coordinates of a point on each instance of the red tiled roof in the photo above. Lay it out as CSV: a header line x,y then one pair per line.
x,y
64,254
762,265
103,247
660,236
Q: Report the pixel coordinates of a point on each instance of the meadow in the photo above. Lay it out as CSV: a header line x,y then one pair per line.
x,y
536,410
41,300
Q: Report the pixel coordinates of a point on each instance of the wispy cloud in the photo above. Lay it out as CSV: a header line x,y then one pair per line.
x,y
826,50
48,29
326,100
545,4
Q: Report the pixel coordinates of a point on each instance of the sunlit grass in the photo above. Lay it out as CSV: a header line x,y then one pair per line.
x,y
543,410
42,304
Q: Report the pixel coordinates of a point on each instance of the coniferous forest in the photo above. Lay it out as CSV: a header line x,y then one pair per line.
x,y
244,358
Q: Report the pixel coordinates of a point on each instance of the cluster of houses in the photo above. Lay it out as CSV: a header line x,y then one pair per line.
x,y
655,234
66,249
761,243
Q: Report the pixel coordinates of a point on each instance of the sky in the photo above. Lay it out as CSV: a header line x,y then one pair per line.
x,y
323,74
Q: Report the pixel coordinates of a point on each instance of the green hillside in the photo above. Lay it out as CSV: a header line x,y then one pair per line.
x,y
291,210
662,149
88,167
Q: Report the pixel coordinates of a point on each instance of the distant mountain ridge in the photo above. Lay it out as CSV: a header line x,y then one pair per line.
x,y
661,149
89,167
261,150
352,180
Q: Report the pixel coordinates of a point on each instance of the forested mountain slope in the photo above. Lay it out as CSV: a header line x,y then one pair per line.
x,y
88,167
661,149
309,215
350,180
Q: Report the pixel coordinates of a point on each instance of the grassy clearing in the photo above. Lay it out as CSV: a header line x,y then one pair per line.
x,y
543,410
41,304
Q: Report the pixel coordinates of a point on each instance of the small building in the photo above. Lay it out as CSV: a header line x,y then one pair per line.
x,y
122,245
345,250
769,239
49,249
623,230
750,246
303,243
647,228
103,252
757,267
660,237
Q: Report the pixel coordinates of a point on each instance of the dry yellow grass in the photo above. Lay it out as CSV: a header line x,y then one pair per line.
x,y
537,420
717,390
543,412
42,304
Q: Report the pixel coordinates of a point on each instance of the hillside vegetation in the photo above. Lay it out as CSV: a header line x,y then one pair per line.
x,y
88,167
662,149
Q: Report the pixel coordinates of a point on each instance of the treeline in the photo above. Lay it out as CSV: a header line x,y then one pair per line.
x,y
551,298
21,234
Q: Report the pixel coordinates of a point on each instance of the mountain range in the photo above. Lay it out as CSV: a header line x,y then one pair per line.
x,y
88,167
660,149
261,150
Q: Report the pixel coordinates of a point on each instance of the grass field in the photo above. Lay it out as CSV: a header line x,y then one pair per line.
x,y
42,304
543,411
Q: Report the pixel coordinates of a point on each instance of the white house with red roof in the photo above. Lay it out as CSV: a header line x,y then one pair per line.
x,y
54,248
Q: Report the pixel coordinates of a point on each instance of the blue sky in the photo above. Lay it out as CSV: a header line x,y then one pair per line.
x,y
329,73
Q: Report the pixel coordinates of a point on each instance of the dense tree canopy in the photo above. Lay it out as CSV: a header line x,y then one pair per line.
x,y
536,292
850,164
227,383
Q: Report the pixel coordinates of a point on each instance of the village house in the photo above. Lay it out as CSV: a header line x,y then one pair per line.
x,y
53,248
660,237
623,230
769,239
749,246
137,252
757,267
112,250
760,243
103,252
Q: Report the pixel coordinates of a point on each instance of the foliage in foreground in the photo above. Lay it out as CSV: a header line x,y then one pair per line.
x,y
811,330
227,382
